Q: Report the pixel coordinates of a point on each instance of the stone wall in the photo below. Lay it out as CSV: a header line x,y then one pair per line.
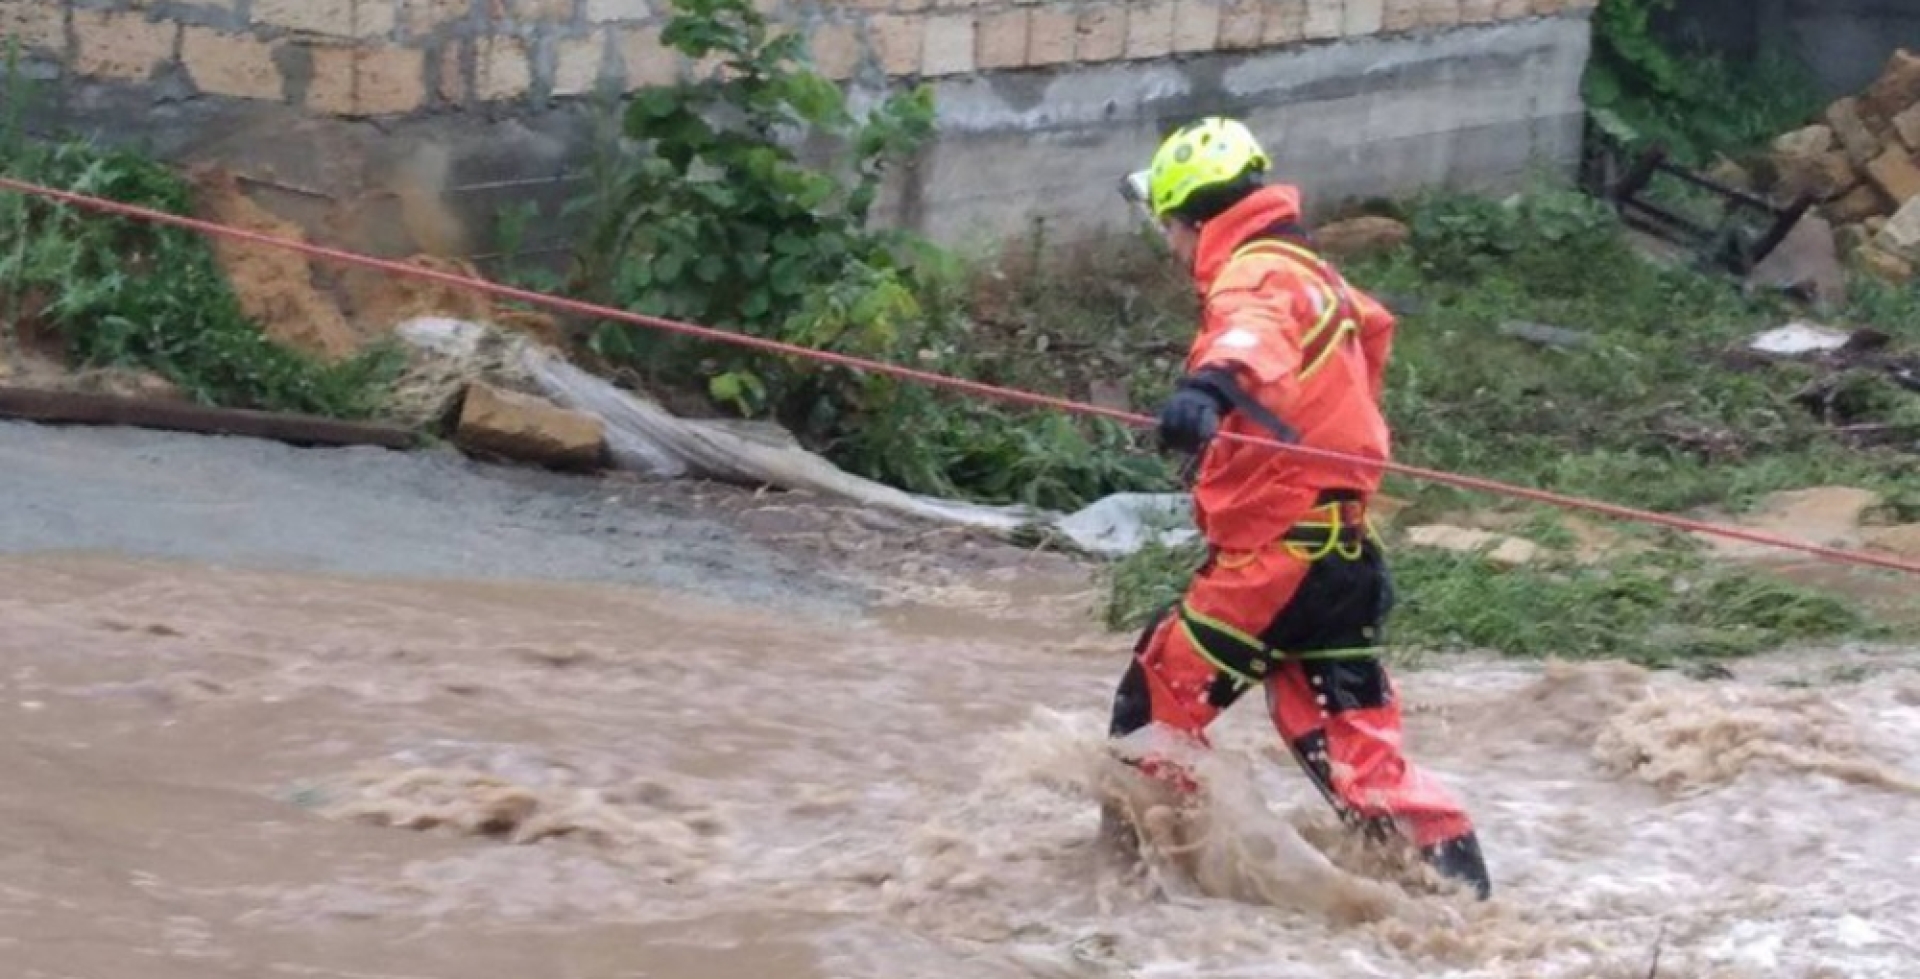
x,y
387,57
458,105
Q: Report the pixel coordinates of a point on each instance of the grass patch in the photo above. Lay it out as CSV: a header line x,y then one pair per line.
x,y
1643,88
1653,610
1658,609
709,212
1655,405
115,292
1658,405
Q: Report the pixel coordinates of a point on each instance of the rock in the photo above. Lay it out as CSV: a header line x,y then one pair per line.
x,y
516,426
1858,204
1498,548
1361,236
1811,141
1867,340
1594,542
1883,266
1825,176
1907,124
1859,142
1902,541
1898,87
1895,173
1901,235
1731,174
1828,516
1807,261
1853,237
1386,510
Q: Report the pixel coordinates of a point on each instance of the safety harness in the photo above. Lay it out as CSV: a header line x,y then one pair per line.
x,y
1340,525
1338,320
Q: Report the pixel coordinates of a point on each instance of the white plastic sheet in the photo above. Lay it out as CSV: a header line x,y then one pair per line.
x,y
1799,338
644,437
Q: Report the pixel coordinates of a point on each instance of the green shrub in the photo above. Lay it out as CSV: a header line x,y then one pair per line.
x,y
128,293
1656,610
1556,242
1642,89
714,218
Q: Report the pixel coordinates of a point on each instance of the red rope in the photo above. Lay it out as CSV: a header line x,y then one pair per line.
x,y
929,378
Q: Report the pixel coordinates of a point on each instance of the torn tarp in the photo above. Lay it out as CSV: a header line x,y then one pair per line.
x,y
644,437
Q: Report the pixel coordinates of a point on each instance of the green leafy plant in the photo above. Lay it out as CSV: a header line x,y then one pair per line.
x,y
125,293
1552,239
718,221
510,230
711,216
1643,89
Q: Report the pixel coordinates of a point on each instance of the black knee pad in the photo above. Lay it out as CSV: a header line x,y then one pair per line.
x,y
1348,684
1132,703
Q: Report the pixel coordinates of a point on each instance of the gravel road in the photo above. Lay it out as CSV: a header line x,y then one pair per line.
x,y
253,504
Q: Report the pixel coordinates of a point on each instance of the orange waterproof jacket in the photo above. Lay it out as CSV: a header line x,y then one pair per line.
x,y
1303,343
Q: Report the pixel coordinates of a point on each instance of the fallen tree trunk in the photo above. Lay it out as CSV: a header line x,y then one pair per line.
x,y
72,408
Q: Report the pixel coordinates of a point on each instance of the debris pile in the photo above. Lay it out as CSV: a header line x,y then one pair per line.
x,y
1862,377
1861,163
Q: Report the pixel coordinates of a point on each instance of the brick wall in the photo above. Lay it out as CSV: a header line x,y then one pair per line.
x,y
386,57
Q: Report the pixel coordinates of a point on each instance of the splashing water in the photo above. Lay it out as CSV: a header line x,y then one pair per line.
x,y
219,774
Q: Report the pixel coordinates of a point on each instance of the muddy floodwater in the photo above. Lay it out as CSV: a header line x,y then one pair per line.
x,y
221,773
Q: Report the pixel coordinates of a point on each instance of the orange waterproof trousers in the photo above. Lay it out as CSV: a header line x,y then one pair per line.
x,y
1300,619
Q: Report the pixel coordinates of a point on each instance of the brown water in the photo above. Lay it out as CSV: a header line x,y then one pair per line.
x,y
215,774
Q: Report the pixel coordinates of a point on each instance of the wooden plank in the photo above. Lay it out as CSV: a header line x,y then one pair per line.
x,y
73,408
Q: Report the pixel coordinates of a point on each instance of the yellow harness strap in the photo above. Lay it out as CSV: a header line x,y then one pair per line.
x,y
1337,321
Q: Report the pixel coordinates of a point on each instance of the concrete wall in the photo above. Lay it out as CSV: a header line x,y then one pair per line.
x,y
405,125
1844,42
1847,42
1368,116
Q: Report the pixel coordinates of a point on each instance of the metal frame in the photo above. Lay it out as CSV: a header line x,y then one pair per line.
x,y
1717,241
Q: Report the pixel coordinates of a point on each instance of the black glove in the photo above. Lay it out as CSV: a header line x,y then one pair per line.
x,y
1192,416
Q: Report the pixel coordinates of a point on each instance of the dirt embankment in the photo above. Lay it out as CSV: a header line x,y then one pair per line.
x,y
335,311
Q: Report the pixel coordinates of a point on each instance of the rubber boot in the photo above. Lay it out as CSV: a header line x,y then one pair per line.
x,y
1460,859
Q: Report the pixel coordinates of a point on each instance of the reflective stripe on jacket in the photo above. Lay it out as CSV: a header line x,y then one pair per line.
x,y
1305,344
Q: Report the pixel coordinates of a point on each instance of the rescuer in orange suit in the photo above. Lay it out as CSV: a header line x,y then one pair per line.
x,y
1295,590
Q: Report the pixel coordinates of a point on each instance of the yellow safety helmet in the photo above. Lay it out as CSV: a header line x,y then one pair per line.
x,y
1206,153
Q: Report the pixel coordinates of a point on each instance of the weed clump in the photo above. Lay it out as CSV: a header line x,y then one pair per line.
x,y
712,215
1643,89
1655,609
1642,395
123,293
